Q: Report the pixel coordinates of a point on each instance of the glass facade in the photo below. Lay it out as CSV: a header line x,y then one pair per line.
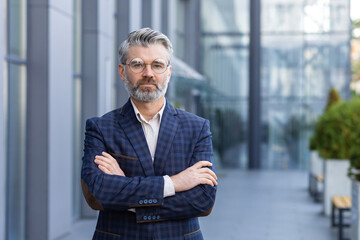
x,y
225,63
16,119
305,52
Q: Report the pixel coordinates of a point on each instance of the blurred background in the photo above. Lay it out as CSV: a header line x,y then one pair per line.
x,y
259,70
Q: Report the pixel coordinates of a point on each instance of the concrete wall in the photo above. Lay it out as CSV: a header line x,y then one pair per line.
x,y
106,55
60,118
135,15
2,122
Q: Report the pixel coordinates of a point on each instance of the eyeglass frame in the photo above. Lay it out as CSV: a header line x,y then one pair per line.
x,y
145,64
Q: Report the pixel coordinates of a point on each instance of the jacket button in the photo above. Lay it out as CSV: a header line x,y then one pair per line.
x,y
145,217
141,202
145,201
150,201
154,201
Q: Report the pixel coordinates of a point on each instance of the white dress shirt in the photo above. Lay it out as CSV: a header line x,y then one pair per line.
x,y
151,130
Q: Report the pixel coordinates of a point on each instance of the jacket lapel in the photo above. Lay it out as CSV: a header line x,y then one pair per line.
x,y
134,132
167,132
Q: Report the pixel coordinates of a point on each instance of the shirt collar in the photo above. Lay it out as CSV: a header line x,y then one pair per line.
x,y
140,118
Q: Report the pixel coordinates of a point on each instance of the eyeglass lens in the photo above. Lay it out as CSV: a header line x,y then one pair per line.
x,y
137,65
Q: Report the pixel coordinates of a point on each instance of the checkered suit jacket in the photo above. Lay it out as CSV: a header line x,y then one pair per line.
x,y
184,139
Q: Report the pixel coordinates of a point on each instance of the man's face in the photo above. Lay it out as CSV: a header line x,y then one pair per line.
x,y
147,85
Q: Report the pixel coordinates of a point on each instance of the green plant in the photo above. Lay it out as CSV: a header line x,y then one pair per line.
x,y
312,145
333,98
338,130
354,154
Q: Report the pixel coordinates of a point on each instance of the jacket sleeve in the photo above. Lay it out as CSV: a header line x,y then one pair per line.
x,y
195,202
103,191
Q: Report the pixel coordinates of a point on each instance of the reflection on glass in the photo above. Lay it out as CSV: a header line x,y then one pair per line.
x,y
302,58
16,152
225,41
17,28
180,29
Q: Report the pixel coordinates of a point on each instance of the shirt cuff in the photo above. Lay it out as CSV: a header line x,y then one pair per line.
x,y
169,189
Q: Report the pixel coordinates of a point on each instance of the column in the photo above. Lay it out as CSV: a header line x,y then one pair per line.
x,y
98,63
255,125
2,124
50,119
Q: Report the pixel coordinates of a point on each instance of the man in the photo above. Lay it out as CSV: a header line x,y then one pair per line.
x,y
148,166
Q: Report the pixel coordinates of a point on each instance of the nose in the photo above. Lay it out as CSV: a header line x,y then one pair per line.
x,y
148,72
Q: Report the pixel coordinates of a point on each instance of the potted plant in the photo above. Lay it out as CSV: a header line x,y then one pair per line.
x,y
315,171
354,169
316,162
332,136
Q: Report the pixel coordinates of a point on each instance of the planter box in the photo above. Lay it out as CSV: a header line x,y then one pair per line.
x,y
355,210
316,168
336,181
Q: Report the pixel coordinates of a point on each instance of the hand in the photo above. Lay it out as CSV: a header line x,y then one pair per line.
x,y
195,175
108,164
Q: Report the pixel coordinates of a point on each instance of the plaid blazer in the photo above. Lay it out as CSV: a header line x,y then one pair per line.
x,y
184,139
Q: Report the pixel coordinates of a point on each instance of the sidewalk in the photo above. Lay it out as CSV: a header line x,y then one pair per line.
x,y
256,205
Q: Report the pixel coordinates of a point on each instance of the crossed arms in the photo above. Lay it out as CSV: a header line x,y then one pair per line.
x,y
183,181
106,187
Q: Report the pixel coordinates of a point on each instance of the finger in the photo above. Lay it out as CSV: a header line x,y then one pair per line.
x,y
209,171
105,154
107,160
206,181
103,163
209,177
201,164
104,169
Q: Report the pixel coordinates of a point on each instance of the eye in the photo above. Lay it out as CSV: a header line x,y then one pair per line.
x,y
137,65
158,65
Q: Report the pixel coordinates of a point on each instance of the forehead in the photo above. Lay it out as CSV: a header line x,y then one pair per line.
x,y
150,53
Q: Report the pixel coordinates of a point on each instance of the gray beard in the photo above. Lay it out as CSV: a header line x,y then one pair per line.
x,y
146,95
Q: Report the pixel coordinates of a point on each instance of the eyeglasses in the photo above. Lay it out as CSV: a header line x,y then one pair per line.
x,y
137,65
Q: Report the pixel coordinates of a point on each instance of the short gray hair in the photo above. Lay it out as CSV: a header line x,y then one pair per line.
x,y
144,37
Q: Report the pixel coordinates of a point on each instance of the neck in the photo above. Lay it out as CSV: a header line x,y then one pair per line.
x,y
149,109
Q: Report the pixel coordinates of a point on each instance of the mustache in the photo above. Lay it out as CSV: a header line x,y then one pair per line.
x,y
147,81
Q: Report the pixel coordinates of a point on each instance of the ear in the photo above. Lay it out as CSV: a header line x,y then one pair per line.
x,y
169,73
121,70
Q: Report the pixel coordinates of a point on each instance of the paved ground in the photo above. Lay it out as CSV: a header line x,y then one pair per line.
x,y
256,205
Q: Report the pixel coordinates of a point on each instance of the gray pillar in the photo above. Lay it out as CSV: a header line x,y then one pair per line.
x,y
255,126
123,29
192,34
89,71
2,126
165,17
37,121
146,13
49,119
